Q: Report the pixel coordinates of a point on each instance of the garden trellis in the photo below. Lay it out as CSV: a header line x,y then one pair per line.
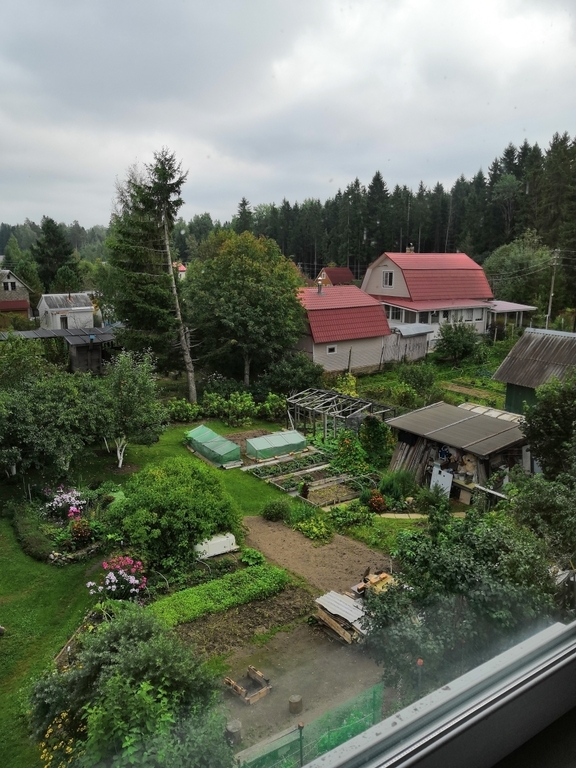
x,y
330,411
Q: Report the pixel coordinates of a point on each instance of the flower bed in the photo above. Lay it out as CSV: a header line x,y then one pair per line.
x,y
253,583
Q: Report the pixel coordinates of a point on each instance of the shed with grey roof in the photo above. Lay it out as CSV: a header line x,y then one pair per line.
x,y
538,356
468,442
66,310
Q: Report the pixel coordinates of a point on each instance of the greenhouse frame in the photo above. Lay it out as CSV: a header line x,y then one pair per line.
x,y
212,446
328,411
276,444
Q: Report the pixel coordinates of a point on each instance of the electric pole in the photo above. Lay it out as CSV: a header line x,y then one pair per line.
x,y
554,264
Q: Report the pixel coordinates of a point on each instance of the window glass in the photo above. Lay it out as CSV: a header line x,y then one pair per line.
x,y
479,313
423,317
434,316
387,279
468,315
396,313
409,317
331,350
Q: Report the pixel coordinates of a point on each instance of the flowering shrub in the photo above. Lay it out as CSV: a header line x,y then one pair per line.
x,y
377,502
80,532
124,580
64,500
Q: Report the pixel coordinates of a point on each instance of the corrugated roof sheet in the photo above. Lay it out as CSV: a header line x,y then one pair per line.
x,y
432,305
477,433
348,323
413,329
67,300
335,297
344,606
74,336
510,306
339,275
538,356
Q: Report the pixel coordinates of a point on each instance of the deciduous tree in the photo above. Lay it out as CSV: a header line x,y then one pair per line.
x,y
243,297
135,415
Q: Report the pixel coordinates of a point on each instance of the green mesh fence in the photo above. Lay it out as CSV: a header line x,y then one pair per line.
x,y
296,747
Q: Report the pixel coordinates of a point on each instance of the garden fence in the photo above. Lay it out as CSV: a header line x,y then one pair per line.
x,y
300,745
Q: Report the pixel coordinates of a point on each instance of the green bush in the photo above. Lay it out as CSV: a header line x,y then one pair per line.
x,y
255,583
398,485
343,517
240,409
252,557
419,376
183,411
293,373
278,509
404,395
27,526
214,406
169,507
273,408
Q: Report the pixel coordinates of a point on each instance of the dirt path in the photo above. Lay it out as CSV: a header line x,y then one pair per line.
x,y
337,565
470,391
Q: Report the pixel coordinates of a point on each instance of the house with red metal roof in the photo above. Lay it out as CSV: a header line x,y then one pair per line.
x,y
14,294
431,288
348,330
335,276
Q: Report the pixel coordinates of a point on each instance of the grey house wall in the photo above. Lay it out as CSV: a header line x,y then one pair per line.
x,y
363,355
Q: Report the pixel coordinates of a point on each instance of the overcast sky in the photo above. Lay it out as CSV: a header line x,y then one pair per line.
x,y
268,99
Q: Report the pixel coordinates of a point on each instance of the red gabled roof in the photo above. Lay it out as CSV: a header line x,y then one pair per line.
x,y
335,297
442,276
14,306
343,324
343,312
339,275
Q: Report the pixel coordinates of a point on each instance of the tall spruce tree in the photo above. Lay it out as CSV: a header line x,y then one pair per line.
x,y
52,251
143,288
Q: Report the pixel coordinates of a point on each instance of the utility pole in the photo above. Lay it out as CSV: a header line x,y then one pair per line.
x,y
554,264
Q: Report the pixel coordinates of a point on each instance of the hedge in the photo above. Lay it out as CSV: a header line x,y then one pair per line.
x,y
254,583
33,541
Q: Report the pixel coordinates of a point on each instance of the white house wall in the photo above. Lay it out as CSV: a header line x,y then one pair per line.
x,y
366,354
78,318
372,282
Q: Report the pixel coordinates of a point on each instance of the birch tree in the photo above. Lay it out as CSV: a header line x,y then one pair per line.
x,y
135,414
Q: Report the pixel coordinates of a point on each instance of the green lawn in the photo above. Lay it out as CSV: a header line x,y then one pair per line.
x,y
40,607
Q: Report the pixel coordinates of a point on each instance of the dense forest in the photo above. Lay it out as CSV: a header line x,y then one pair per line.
x,y
525,189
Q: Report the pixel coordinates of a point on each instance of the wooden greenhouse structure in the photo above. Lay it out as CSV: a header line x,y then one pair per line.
x,y
329,411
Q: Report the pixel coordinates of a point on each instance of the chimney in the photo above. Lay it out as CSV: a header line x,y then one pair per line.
x,y
319,284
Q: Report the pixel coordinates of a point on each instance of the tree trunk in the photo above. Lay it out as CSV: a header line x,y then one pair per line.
x,y
246,370
184,341
121,444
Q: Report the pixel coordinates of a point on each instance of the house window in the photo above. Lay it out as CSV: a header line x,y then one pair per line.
x,y
6,286
434,317
63,321
423,317
395,313
387,309
479,314
331,350
409,317
12,286
468,315
446,315
387,279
